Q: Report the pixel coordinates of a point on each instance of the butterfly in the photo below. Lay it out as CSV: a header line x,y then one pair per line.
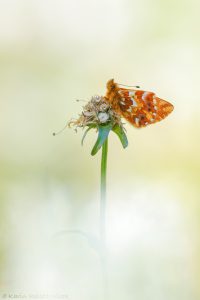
x,y
140,108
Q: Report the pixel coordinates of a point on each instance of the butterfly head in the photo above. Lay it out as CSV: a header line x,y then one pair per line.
x,y
111,85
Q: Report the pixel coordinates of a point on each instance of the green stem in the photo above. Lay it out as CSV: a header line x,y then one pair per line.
x,y
103,217
103,192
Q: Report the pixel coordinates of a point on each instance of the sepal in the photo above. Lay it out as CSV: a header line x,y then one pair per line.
x,y
119,130
103,132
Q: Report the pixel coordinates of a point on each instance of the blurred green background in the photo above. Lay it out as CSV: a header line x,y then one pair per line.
x,y
52,53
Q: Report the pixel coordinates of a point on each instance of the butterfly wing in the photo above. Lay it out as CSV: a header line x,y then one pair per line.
x,y
142,108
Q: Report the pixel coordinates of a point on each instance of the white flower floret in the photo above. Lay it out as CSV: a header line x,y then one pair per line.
x,y
96,98
104,107
103,117
88,113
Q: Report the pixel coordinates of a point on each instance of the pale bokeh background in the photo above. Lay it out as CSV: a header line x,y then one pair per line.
x,y
52,53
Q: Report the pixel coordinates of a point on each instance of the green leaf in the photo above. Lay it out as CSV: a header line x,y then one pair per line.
x,y
103,132
85,133
121,134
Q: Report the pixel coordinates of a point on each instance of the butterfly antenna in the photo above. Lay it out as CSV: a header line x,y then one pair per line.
x,y
136,86
56,133
81,100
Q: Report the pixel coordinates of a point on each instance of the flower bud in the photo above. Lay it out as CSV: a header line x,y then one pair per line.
x,y
103,117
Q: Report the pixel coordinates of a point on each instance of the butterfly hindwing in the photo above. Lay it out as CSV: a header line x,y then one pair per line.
x,y
142,108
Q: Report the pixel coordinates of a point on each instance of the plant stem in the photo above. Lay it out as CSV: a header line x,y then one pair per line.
x,y
103,218
103,192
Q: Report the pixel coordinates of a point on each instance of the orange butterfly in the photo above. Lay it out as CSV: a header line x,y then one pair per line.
x,y
139,107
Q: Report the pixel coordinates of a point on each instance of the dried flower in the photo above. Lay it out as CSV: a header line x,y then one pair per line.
x,y
97,113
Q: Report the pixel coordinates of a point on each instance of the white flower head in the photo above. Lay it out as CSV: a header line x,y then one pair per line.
x,y
96,111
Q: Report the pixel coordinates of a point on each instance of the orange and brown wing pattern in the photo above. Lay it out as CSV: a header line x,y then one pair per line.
x,y
142,108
